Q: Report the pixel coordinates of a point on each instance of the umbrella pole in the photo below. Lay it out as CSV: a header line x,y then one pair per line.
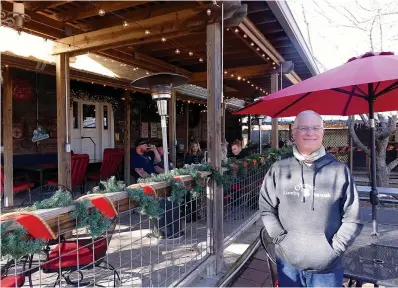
x,y
374,194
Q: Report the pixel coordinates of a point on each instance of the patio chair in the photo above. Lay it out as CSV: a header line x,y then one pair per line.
x,y
82,253
79,164
13,274
109,167
43,192
269,247
19,183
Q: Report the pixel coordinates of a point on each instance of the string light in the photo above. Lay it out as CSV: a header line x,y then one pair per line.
x,y
225,72
125,24
236,30
258,49
244,36
239,78
190,53
208,12
163,39
232,75
101,12
177,51
200,59
252,44
263,55
147,32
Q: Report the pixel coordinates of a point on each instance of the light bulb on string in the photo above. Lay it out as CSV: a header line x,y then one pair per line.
x,y
164,39
147,32
177,51
101,12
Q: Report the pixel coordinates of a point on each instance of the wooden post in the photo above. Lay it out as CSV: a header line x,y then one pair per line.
x,y
223,122
214,113
8,149
127,138
274,131
172,127
186,140
63,129
249,127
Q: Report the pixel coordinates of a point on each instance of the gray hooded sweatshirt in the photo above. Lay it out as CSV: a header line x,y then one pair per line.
x,y
310,212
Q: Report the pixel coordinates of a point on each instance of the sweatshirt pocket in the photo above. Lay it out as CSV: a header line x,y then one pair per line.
x,y
307,251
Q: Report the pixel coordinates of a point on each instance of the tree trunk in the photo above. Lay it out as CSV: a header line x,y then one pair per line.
x,y
382,171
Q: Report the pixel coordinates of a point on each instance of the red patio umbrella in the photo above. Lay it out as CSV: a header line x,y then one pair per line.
x,y
365,84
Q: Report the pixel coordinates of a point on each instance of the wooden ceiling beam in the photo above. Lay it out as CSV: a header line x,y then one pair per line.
x,y
119,35
49,69
160,63
91,9
35,6
257,6
243,72
138,15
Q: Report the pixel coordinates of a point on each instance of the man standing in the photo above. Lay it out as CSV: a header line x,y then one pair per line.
x,y
310,208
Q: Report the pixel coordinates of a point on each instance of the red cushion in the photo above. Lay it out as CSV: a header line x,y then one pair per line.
x,y
94,176
69,254
12,281
52,182
235,187
20,185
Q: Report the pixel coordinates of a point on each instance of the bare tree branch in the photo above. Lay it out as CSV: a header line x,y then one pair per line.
x,y
308,29
391,129
365,120
355,19
351,123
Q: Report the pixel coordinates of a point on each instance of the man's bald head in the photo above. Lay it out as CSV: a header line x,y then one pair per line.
x,y
308,115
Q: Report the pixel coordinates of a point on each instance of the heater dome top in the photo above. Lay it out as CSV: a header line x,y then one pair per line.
x,y
159,79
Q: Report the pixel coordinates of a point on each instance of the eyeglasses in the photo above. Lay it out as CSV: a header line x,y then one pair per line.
x,y
308,128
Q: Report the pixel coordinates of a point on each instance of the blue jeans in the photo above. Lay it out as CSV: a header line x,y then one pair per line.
x,y
289,276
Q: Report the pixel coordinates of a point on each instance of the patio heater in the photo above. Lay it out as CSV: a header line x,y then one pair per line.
x,y
260,122
160,86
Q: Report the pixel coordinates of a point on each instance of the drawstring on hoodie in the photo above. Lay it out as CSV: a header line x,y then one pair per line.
x,y
313,184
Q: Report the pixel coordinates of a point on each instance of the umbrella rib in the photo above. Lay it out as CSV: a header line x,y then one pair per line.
x,y
363,93
349,100
293,103
388,89
377,86
348,93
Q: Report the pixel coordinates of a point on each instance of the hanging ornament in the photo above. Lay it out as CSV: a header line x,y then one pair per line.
x,y
39,133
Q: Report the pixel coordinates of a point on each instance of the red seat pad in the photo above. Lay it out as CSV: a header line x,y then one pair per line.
x,y
69,254
12,281
94,176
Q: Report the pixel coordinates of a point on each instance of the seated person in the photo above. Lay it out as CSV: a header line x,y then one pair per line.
x,y
142,165
194,155
159,167
237,150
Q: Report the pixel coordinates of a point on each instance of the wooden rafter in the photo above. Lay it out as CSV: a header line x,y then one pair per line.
x,y
91,9
149,59
42,5
136,15
243,72
118,36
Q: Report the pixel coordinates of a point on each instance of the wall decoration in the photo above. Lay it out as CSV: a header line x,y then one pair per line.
x,y
16,133
22,90
144,130
159,126
154,130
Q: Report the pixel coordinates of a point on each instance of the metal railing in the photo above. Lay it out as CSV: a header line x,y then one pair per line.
x,y
135,250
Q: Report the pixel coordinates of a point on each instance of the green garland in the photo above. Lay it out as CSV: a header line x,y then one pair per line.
x,y
11,245
147,204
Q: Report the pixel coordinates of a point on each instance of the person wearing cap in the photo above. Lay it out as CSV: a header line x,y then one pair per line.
x,y
142,165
